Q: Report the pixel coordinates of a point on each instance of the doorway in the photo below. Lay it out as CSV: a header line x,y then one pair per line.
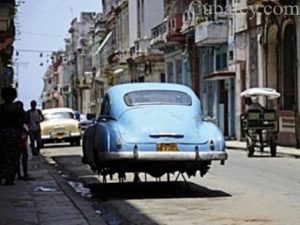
x,y
223,107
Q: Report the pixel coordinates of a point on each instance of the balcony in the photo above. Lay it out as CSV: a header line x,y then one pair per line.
x,y
174,28
159,35
211,33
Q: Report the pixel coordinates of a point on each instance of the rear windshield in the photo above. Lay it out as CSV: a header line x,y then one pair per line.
x,y
58,115
157,97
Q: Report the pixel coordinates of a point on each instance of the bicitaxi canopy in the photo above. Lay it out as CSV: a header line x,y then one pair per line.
x,y
261,91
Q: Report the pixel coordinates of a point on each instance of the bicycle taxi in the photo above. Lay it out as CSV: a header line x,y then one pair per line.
x,y
260,124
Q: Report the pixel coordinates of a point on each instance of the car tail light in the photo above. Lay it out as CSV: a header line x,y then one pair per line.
x,y
135,152
211,145
119,144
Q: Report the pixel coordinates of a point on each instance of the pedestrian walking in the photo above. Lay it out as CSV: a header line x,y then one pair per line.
x,y
34,117
23,165
12,118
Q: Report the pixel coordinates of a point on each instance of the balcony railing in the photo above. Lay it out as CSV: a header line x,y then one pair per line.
x,y
159,34
211,33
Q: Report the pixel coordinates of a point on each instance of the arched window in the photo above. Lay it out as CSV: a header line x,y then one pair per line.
x,y
289,68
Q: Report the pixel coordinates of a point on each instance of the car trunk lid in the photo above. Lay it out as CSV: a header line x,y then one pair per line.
x,y
59,126
161,124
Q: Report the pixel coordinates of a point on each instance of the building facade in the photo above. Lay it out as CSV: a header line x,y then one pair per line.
x,y
218,52
7,35
279,56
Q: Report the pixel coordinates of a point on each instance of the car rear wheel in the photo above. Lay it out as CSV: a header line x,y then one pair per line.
x,y
75,142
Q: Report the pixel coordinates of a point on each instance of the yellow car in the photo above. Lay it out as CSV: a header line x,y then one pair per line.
x,y
60,125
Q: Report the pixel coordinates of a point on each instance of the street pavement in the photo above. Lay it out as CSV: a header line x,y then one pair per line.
x,y
48,200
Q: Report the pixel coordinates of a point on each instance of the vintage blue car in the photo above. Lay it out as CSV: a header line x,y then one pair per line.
x,y
154,128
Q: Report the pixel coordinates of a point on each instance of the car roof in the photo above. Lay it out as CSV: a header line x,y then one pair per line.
x,y
54,110
117,92
125,88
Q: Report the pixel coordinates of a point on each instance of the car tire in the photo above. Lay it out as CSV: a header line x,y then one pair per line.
x,y
75,142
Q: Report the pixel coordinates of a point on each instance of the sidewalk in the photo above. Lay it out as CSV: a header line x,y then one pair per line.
x,y
281,150
43,201
49,201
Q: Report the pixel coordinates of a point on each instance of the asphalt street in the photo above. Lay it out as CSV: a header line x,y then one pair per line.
x,y
258,190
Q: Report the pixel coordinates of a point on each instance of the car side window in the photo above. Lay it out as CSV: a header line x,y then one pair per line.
x,y
105,107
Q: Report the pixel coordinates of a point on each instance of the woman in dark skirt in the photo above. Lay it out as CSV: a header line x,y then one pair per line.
x,y
12,118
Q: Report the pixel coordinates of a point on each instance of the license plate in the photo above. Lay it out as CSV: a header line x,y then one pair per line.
x,y
59,129
167,147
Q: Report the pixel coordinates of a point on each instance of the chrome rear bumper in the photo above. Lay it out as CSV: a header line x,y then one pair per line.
x,y
163,156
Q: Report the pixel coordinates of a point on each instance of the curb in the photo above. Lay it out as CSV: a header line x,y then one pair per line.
x,y
81,204
236,148
279,153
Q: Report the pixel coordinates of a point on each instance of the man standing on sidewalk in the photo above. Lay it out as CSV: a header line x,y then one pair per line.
x,y
34,117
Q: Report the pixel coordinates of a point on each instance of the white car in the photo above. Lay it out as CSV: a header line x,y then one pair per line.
x,y
60,125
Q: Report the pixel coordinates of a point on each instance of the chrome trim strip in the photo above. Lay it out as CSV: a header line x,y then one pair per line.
x,y
158,135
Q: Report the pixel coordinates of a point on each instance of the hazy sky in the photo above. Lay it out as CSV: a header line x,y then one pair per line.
x,y
42,26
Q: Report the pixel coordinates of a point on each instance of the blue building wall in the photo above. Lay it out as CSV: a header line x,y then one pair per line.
x,y
214,59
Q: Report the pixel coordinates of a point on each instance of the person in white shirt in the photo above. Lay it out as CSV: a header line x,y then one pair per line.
x,y
34,117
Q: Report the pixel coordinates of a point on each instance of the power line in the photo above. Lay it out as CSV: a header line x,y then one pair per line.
x,y
34,50
42,34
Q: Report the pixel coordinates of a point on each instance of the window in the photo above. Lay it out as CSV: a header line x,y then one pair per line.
x,y
58,115
218,62
221,59
142,79
224,60
162,78
179,71
170,71
157,97
230,55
